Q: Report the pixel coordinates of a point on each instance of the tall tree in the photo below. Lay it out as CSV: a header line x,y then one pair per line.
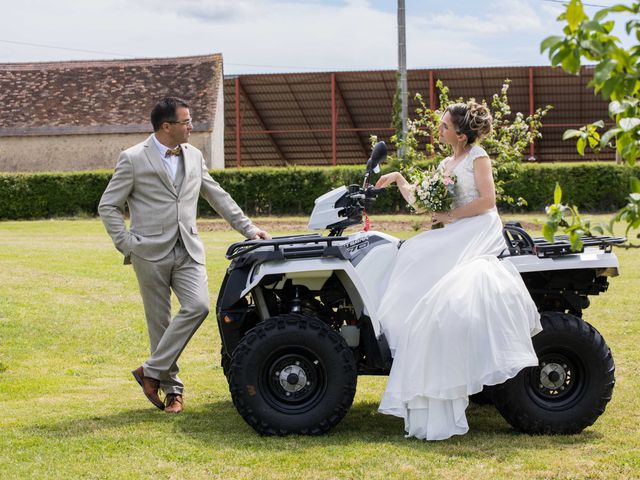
x,y
617,78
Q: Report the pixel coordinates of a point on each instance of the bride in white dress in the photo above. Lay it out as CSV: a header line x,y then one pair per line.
x,y
455,317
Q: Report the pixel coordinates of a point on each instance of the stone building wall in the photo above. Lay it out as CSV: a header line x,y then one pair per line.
x,y
80,152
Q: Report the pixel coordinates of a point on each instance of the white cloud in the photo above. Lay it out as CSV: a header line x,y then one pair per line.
x,y
211,10
496,18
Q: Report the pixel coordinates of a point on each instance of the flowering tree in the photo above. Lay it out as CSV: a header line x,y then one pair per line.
x,y
506,144
617,78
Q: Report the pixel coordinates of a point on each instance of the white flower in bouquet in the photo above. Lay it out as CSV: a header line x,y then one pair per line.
x,y
434,191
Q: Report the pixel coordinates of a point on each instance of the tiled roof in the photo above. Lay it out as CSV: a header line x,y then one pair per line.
x,y
112,96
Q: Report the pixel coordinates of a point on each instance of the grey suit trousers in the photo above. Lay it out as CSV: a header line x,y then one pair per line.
x,y
177,271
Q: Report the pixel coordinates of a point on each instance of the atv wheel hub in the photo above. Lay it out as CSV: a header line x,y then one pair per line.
x,y
292,378
553,375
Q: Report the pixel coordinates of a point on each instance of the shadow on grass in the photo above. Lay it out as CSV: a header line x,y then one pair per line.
x,y
489,433
218,424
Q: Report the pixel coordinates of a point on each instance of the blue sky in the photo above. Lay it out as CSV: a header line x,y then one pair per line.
x,y
266,36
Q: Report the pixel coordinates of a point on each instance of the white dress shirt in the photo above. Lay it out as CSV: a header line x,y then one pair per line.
x,y
170,162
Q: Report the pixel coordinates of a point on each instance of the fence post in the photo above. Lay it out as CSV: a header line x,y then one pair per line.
x,y
334,121
238,155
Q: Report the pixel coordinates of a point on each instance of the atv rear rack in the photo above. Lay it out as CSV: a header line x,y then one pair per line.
x,y
291,246
519,242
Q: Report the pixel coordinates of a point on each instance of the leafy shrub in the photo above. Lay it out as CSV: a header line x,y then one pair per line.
x,y
592,186
44,195
292,191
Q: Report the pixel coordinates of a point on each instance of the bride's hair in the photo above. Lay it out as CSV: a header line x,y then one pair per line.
x,y
471,119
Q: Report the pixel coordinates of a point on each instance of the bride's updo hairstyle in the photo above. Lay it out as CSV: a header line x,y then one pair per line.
x,y
471,119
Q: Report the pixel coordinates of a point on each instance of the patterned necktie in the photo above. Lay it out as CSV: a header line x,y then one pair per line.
x,y
173,151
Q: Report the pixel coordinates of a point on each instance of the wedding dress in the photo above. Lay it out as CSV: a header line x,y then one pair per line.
x,y
455,317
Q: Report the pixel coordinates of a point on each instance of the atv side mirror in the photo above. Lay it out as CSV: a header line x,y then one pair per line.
x,y
378,155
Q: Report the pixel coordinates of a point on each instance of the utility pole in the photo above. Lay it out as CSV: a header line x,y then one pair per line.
x,y
402,69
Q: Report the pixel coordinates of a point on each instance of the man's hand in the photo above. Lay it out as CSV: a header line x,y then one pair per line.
x,y
261,235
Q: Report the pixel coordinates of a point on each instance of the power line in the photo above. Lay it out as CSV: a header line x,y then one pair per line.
x,y
565,2
133,56
65,48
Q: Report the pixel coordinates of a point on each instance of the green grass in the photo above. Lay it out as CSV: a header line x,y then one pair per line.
x,y
72,328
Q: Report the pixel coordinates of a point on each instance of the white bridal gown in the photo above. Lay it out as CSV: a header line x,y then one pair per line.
x,y
456,318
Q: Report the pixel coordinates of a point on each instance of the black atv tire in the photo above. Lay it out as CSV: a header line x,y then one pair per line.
x,y
571,386
292,374
225,361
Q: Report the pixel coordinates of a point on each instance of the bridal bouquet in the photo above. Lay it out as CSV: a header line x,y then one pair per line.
x,y
434,191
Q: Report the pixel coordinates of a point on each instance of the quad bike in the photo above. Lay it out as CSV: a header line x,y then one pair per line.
x,y
298,322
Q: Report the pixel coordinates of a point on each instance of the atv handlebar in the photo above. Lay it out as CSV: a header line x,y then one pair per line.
x,y
373,192
370,193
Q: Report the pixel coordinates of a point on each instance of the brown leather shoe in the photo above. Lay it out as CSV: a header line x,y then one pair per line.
x,y
149,386
174,403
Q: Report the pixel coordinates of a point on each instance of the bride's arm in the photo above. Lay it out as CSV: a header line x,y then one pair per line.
x,y
406,189
483,175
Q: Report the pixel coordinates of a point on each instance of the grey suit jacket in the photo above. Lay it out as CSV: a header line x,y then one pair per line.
x,y
158,212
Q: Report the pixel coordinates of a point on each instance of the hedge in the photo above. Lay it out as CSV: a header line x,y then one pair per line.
x,y
592,186
290,191
46,195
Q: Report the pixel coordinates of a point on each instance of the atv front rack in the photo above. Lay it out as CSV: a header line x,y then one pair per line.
x,y
291,246
519,242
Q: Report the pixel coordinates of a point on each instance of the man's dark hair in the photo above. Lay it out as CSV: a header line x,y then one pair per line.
x,y
165,111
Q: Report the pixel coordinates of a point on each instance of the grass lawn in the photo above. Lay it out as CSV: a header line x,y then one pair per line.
x,y
72,328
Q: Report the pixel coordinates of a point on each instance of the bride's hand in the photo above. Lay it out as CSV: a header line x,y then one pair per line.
x,y
388,179
441,217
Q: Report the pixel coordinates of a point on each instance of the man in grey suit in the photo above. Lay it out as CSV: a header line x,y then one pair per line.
x,y
161,179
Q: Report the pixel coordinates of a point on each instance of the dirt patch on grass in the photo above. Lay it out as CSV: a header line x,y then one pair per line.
x,y
290,225
301,226
269,225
